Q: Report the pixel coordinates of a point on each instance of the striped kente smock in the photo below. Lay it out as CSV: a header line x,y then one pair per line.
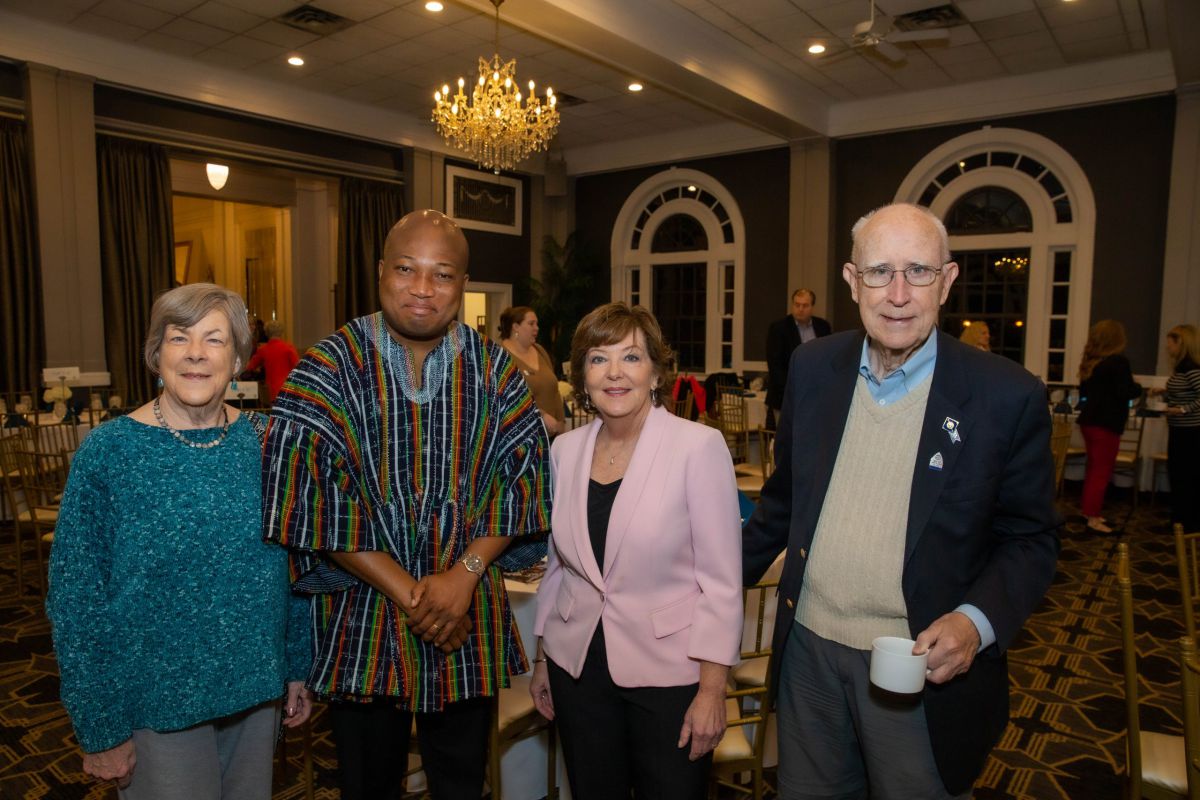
x,y
353,464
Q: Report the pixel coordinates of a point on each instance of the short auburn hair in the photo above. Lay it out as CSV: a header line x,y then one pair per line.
x,y
610,324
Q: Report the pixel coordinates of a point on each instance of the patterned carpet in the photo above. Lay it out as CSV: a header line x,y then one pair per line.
x,y
1066,738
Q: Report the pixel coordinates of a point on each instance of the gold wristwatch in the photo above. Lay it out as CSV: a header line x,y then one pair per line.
x,y
473,563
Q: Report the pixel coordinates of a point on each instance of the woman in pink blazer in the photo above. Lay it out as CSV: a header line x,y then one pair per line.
x,y
640,611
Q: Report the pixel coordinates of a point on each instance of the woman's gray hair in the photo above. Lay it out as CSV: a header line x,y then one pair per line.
x,y
186,305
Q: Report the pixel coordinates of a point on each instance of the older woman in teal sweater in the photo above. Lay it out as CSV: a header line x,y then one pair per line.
x,y
174,627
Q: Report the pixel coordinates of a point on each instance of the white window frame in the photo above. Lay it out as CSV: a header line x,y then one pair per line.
x,y
1047,237
720,253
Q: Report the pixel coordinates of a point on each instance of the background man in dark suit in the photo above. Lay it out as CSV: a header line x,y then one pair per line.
x,y
914,493
784,336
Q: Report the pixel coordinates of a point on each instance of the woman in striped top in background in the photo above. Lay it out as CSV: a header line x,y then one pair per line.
x,y
1183,421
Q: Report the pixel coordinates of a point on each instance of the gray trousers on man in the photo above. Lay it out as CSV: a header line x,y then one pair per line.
x,y
226,759
839,736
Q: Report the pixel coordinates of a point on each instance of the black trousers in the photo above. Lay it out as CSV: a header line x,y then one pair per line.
x,y
618,740
372,748
1183,470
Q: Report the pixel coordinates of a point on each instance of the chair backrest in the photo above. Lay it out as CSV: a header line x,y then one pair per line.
x,y
766,451
1130,447
732,415
43,479
1129,663
1187,558
1156,765
1060,443
1189,669
57,437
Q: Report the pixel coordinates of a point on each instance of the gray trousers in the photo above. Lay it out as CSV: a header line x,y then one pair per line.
x,y
840,738
227,759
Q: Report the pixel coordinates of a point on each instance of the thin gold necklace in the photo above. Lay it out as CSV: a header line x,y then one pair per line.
x,y
158,415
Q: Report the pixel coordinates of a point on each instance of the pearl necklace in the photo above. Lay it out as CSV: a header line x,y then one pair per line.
x,y
158,415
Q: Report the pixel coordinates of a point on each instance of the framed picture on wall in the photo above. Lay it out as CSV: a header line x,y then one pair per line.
x,y
483,201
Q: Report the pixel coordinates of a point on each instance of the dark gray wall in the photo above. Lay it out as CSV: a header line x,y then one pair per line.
x,y
499,257
1125,150
758,182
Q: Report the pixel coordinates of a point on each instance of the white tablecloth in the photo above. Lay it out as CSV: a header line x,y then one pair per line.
x,y
523,764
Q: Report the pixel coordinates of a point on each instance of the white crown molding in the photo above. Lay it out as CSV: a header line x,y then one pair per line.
x,y
1081,84
699,142
26,39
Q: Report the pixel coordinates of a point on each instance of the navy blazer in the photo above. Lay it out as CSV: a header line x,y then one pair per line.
x,y
982,530
782,338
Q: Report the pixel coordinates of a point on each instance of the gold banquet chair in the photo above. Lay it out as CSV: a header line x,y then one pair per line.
x,y
1189,669
1060,445
515,717
1187,559
731,421
1156,762
740,750
1129,453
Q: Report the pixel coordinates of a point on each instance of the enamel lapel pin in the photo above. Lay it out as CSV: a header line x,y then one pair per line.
x,y
937,461
950,426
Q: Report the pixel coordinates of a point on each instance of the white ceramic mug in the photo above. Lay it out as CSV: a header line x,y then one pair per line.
x,y
895,668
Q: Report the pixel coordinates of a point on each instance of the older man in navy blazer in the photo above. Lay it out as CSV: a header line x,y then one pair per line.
x,y
914,493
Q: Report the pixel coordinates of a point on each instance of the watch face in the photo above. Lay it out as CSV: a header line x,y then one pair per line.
x,y
473,563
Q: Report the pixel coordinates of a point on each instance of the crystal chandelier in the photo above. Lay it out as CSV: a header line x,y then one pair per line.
x,y
495,129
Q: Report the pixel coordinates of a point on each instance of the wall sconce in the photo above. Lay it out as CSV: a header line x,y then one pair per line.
x,y
217,175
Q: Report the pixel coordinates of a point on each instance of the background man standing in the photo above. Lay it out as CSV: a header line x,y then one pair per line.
x,y
784,336
403,451
914,492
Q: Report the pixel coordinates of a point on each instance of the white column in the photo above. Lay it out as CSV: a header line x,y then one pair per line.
x,y
314,262
1181,267
810,247
62,134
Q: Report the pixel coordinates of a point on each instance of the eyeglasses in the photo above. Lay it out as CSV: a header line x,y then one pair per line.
x,y
916,275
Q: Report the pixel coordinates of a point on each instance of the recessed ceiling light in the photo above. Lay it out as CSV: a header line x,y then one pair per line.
x,y
635,87
962,165
434,6
691,188
296,61
816,49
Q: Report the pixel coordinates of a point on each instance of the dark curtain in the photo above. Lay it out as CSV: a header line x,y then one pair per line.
x,y
22,347
366,212
137,249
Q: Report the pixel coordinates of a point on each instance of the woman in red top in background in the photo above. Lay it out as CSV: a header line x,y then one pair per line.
x,y
275,358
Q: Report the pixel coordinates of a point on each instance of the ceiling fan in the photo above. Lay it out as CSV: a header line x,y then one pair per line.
x,y
879,33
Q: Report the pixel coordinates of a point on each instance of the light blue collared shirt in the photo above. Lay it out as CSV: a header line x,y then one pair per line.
x,y
895,385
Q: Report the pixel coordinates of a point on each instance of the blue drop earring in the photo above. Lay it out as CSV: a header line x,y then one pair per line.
x,y
160,382
233,384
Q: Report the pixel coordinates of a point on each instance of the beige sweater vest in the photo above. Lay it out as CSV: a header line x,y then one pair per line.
x,y
851,591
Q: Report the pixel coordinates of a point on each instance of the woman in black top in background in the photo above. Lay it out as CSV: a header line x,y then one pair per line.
x,y
1183,424
1106,387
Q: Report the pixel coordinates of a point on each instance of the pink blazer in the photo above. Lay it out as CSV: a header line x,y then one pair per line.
x,y
669,591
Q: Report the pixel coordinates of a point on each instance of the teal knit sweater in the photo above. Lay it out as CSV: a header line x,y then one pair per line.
x,y
168,608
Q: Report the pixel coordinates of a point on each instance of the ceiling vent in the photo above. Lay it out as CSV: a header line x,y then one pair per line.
x,y
946,16
314,20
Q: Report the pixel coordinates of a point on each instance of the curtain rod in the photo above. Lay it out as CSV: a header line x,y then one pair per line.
x,y
209,146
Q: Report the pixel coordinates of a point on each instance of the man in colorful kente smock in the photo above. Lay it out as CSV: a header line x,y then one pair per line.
x,y
404,453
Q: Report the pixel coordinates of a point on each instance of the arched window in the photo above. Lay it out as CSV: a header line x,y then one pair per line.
x,y
990,209
679,233
1022,220
678,249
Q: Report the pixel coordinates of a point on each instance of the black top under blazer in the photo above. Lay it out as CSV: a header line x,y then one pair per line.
x,y
1104,397
981,530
